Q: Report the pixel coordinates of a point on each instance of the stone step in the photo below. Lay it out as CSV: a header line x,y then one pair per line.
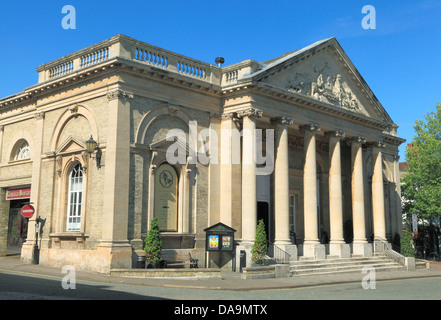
x,y
332,265
338,260
319,265
357,269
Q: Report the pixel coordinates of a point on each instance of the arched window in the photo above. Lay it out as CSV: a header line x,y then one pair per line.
x,y
75,198
23,152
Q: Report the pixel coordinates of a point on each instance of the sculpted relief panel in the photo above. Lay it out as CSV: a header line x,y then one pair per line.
x,y
324,84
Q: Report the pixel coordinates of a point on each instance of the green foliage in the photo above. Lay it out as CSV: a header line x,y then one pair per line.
x,y
407,248
153,243
421,187
260,247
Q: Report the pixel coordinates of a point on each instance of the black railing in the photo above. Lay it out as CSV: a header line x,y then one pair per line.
x,y
278,254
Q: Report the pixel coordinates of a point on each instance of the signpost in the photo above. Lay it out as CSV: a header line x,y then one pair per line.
x,y
414,223
27,211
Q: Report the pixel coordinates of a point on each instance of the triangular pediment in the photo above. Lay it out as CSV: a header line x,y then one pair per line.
x,y
71,144
323,71
164,145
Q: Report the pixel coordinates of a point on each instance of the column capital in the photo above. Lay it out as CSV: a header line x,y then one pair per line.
x,y
39,115
358,139
250,112
282,120
222,116
335,134
118,93
311,127
380,144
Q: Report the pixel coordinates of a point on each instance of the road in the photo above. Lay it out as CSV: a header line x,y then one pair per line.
x,y
22,286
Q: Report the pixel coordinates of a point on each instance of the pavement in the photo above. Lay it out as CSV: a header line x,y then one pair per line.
x,y
230,280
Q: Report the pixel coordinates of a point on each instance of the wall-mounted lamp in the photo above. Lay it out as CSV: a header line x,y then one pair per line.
x,y
91,145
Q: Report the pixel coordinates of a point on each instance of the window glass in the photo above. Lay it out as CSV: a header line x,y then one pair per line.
x,y
23,151
75,198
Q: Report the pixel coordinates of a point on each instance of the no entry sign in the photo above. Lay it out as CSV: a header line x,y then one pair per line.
x,y
27,211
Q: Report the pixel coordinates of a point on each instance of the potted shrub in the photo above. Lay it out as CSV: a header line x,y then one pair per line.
x,y
153,245
260,247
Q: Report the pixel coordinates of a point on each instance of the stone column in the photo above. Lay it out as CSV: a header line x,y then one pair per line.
x,y
249,182
27,251
281,182
226,169
4,222
4,210
114,244
360,245
378,211
337,245
397,215
311,244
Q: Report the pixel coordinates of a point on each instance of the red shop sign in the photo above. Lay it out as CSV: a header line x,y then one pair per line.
x,y
18,194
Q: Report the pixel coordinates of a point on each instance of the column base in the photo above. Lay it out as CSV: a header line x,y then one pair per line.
x,y
115,255
30,253
315,251
342,250
363,249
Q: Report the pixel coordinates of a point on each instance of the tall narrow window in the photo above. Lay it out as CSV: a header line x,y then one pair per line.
x,y
292,213
75,198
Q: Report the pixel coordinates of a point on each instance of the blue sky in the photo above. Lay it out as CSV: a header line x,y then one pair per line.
x,y
400,60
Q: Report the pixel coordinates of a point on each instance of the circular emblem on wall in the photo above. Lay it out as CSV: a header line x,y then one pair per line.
x,y
166,178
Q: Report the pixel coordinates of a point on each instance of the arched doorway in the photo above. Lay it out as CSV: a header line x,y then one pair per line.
x,y
166,198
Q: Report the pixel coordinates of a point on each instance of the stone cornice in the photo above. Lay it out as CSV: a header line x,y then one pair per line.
x,y
311,103
31,94
393,140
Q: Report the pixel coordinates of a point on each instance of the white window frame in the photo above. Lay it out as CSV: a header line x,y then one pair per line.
x,y
75,198
23,152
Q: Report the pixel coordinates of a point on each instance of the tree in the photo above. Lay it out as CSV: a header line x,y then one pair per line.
x,y
407,248
421,188
153,243
260,247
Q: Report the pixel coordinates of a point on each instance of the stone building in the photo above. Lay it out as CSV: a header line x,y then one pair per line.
x,y
299,141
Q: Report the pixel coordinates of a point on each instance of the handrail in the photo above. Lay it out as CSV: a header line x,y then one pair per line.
x,y
278,254
397,257
392,254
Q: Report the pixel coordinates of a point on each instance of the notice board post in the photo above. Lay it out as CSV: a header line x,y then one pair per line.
x,y
220,246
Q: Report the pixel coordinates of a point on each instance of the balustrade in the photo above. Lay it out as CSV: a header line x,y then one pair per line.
x,y
131,49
